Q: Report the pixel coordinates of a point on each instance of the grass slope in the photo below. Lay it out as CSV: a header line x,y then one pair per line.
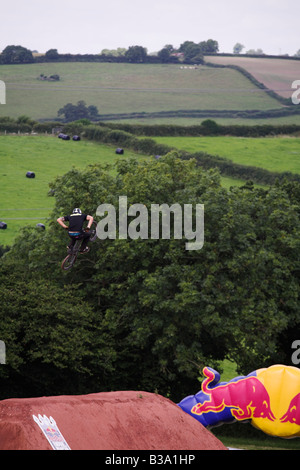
x,y
275,73
127,88
272,153
25,201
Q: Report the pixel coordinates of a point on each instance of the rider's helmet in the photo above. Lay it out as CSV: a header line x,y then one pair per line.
x,y
76,211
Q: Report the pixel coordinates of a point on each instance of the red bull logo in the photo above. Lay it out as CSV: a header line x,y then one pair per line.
x,y
53,434
269,398
293,412
246,398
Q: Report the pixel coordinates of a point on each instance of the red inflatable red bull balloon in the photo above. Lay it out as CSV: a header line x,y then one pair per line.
x,y
268,398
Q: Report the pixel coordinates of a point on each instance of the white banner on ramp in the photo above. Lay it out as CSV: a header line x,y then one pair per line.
x,y
51,431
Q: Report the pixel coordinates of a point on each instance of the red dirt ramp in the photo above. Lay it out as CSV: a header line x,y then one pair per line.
x,y
126,420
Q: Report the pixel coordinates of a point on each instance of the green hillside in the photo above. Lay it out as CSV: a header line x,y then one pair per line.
x,y
279,154
276,73
25,201
127,88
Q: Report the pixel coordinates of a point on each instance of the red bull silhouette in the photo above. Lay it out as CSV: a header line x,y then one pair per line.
x,y
246,397
293,412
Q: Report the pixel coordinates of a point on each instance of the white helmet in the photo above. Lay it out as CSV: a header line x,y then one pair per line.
x,y
76,211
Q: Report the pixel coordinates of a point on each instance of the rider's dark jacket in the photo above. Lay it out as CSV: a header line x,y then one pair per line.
x,y
75,222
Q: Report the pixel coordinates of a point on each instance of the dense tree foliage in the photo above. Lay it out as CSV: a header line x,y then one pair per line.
x,y
194,52
144,313
16,55
73,112
52,54
136,54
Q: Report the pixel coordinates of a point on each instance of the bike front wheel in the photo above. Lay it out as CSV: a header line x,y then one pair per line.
x,y
68,262
93,231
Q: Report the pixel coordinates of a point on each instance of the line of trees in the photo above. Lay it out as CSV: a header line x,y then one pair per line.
x,y
187,52
288,110
83,124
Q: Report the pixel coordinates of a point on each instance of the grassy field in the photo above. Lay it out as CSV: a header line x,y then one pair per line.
x,y
275,73
127,88
272,153
255,441
25,201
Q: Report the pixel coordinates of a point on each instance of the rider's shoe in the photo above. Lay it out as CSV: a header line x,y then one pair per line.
x,y
85,250
69,250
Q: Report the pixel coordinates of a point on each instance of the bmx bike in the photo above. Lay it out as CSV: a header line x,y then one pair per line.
x,y
71,257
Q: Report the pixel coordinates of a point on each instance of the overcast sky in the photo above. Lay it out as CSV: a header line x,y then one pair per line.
x,y
88,26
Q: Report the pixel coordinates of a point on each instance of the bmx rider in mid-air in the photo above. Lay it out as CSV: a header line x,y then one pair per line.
x,y
75,228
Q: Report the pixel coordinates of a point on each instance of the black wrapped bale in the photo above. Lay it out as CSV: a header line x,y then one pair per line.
x,y
42,226
3,225
30,174
63,136
119,151
76,137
